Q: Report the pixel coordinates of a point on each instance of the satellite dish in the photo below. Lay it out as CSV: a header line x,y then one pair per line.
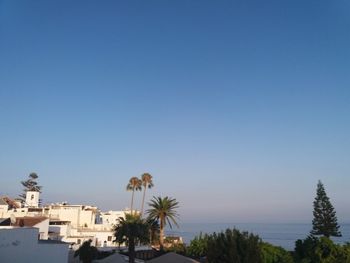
x,y
13,219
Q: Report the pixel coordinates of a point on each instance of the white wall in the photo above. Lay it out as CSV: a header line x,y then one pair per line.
x,y
3,211
111,218
19,212
68,213
43,229
21,245
61,230
87,218
77,215
100,237
32,199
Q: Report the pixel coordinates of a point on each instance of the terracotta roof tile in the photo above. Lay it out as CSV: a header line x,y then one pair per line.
x,y
28,221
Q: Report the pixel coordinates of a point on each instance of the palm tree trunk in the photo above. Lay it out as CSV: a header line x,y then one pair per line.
x,y
131,250
161,235
132,200
143,200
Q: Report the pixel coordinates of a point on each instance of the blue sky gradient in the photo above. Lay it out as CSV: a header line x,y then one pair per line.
x,y
236,108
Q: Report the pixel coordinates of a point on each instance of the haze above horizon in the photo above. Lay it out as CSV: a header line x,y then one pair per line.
x,y
236,108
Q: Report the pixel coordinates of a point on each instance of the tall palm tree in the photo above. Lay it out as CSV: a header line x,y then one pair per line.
x,y
131,230
133,185
164,211
147,182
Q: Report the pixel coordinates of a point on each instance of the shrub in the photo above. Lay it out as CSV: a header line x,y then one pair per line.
x,y
274,254
321,250
177,248
233,246
198,246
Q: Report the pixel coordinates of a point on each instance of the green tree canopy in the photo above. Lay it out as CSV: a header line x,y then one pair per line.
x,y
325,220
274,254
233,246
320,250
198,246
131,230
164,211
30,184
86,252
135,184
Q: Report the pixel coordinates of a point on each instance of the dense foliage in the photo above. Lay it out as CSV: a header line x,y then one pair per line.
x,y
164,211
321,250
154,230
132,230
177,248
86,252
325,219
233,246
30,184
198,246
274,254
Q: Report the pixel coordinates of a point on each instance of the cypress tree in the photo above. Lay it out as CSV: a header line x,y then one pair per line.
x,y
325,220
30,184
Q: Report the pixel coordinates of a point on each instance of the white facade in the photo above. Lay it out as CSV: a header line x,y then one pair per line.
x,y
78,215
3,211
59,231
111,218
20,245
100,238
32,199
43,228
70,223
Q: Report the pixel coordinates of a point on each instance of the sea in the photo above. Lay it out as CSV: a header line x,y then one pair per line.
x,y
279,234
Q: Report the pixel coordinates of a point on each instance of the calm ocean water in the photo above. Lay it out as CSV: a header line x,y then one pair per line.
x,y
283,235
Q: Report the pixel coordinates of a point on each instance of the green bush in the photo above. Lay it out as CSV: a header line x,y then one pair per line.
x,y
198,246
233,246
177,248
321,250
274,254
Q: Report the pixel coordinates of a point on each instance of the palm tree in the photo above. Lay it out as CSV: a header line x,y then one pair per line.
x,y
164,211
131,230
153,231
147,182
86,252
133,185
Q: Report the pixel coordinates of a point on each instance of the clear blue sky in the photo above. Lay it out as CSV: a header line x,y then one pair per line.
x,y
236,108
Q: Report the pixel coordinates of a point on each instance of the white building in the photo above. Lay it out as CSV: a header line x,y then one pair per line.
x,y
111,218
79,223
68,223
41,223
32,199
80,216
21,245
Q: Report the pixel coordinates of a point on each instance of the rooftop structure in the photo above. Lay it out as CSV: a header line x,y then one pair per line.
x,y
39,222
18,243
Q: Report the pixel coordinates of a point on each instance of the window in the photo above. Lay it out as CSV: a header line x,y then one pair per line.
x,y
109,238
79,241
